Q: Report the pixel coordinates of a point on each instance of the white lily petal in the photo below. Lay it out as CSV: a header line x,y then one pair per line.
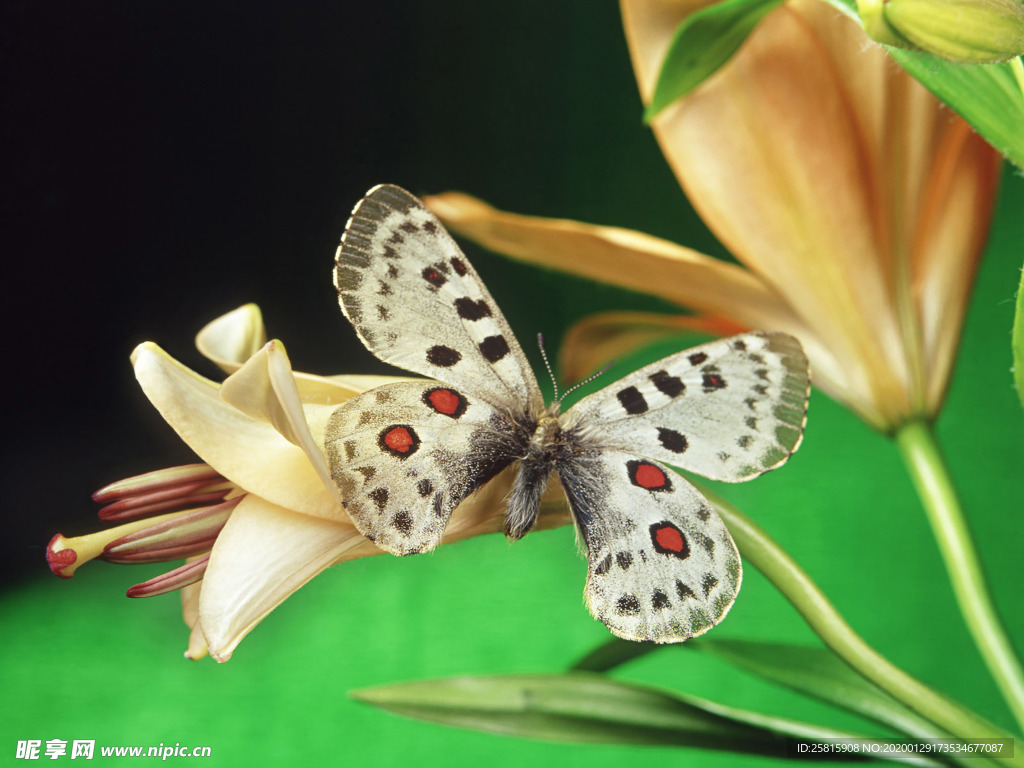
x,y
334,390
190,613
359,383
233,338
249,453
265,389
263,555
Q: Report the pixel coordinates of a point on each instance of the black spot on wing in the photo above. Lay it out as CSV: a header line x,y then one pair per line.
x,y
708,583
684,591
402,522
494,348
603,565
379,497
669,385
697,358
624,559
660,601
424,487
469,309
627,605
434,277
632,400
712,382
672,440
442,356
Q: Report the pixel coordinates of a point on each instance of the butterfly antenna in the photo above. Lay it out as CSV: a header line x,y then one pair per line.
x,y
543,354
587,380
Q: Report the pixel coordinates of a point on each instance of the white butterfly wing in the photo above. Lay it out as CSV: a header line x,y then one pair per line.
x,y
662,565
729,410
416,302
405,454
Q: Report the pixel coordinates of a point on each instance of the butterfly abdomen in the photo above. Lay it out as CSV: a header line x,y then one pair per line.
x,y
541,453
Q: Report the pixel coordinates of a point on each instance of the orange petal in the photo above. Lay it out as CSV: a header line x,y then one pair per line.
x,y
956,211
597,339
800,155
619,256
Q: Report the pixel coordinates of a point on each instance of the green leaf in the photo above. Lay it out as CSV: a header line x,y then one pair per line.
x,y
703,42
990,97
819,673
587,708
986,96
612,653
1018,341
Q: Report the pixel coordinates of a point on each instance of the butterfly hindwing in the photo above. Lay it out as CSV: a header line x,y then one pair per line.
x,y
416,302
405,454
728,410
662,566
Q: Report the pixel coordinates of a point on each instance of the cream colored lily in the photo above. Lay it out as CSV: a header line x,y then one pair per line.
x,y
856,203
262,515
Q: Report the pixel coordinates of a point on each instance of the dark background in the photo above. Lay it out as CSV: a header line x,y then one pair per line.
x,y
167,162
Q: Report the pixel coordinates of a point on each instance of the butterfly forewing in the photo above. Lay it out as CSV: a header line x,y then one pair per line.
x,y
416,302
404,455
662,566
728,410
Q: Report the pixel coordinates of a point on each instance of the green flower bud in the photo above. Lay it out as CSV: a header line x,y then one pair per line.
x,y
963,31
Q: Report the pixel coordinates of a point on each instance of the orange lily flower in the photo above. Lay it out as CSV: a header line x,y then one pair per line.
x,y
857,204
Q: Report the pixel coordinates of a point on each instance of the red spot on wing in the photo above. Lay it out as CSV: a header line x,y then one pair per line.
x,y
649,476
446,401
669,538
399,439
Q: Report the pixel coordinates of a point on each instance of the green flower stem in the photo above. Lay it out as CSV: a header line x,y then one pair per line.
x,y
761,551
931,477
1017,338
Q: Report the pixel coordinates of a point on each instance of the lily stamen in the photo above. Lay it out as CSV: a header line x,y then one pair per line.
x,y
189,573
184,534
164,490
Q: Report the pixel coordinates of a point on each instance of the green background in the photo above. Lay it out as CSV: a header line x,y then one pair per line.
x,y
179,162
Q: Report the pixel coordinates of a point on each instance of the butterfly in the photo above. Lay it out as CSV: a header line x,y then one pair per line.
x,y
662,566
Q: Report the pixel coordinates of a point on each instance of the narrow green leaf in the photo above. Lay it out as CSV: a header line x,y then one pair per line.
x,y
613,653
1018,341
703,42
587,708
819,673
